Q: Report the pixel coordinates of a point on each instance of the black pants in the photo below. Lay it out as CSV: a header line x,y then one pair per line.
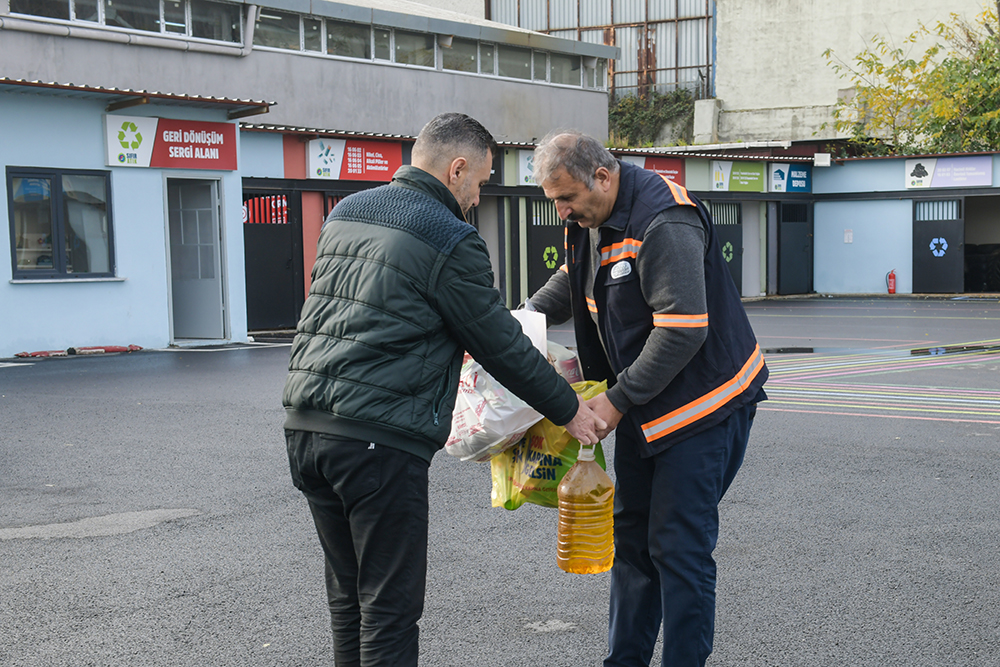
x,y
369,504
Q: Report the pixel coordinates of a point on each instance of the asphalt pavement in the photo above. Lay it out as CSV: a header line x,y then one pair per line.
x,y
147,517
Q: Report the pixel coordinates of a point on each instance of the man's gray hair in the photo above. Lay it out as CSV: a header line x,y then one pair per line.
x,y
448,136
579,154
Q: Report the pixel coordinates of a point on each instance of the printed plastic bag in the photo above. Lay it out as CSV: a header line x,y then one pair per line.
x,y
530,471
488,418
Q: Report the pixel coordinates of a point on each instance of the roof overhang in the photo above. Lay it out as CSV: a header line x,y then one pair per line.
x,y
118,98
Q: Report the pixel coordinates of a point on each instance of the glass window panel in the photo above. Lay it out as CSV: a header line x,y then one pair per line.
x,y
415,48
382,41
205,227
352,40
133,14
86,224
86,10
198,195
207,253
216,20
173,16
53,9
32,210
462,56
486,54
564,69
277,29
514,62
189,227
184,262
539,69
312,34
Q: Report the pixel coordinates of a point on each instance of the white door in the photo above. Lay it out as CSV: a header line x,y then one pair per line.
x,y
195,260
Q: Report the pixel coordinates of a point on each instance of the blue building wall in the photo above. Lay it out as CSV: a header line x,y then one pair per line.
x,y
132,308
262,155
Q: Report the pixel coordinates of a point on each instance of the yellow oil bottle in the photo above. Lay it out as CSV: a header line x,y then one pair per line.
x,y
586,521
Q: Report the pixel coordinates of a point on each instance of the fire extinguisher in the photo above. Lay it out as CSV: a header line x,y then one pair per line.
x,y
890,281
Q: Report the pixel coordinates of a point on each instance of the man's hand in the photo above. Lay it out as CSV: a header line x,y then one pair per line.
x,y
586,425
607,412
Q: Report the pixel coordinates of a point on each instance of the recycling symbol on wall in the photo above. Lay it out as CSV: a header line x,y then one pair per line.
x,y
551,257
938,246
129,130
727,252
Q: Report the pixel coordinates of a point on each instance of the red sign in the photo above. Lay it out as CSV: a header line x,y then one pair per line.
x,y
191,144
671,167
354,159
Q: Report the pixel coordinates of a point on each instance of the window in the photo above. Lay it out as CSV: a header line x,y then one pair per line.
x,y
216,20
415,48
277,29
133,14
514,62
539,69
352,40
87,10
383,48
53,9
60,223
564,69
207,19
312,34
174,19
461,57
486,53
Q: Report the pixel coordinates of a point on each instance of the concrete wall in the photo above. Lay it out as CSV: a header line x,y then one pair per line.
x,y
771,76
311,90
63,132
476,8
882,239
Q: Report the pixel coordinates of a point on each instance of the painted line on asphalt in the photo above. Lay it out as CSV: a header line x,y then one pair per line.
x,y
4,364
761,406
98,526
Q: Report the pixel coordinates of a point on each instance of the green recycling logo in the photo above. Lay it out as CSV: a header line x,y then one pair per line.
x,y
129,136
551,257
727,252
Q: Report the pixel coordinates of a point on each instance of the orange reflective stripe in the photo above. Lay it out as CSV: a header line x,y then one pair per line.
x,y
591,305
708,403
564,268
680,321
612,253
679,191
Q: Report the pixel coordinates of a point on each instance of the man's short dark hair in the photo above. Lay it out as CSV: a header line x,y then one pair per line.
x,y
448,135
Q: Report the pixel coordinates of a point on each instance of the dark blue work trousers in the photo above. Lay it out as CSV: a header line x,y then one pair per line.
x,y
666,527
369,504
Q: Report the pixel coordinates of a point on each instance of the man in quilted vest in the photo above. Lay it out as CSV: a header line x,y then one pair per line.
x,y
656,313
402,286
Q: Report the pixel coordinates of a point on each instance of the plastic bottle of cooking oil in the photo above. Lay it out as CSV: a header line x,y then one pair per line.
x,y
586,523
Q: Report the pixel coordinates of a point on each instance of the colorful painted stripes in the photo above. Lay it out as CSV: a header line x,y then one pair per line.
x,y
854,385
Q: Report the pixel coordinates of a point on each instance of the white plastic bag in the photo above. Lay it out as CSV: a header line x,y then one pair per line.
x,y
488,418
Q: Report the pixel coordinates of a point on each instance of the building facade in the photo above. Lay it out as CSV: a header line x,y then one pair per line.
x,y
183,247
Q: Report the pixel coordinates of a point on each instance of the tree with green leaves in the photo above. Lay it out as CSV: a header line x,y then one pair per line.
x,y
946,100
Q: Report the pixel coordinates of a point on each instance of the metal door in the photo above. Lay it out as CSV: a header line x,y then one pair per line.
x,y
272,242
795,249
546,239
727,217
938,247
195,259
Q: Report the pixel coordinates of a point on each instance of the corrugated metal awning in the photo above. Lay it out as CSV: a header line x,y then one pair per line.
x,y
120,98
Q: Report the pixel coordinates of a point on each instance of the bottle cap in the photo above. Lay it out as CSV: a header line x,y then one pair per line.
x,y
586,452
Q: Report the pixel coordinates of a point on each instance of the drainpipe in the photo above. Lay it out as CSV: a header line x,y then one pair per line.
x,y
248,32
